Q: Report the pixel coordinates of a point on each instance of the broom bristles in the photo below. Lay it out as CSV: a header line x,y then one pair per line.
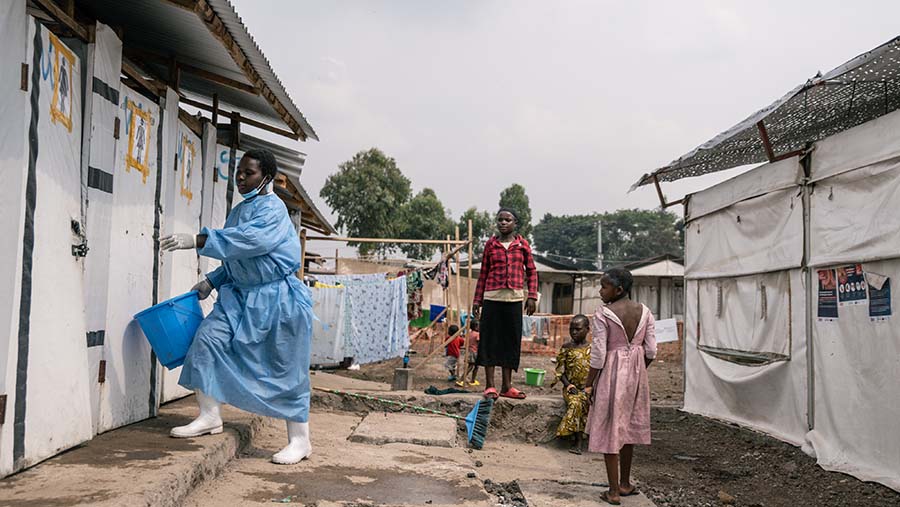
x,y
477,422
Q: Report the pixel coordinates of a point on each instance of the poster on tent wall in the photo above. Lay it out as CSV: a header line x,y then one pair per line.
x,y
126,350
52,356
851,285
879,297
827,299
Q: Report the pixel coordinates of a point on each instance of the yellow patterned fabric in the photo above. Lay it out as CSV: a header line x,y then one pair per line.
x,y
574,363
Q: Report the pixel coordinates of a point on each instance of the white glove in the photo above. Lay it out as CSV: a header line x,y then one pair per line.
x,y
203,288
178,241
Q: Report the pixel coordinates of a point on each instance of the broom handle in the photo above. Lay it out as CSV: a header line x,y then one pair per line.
x,y
390,402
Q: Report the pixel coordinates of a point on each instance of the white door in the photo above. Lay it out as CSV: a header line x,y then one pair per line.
x,y
126,392
52,355
184,216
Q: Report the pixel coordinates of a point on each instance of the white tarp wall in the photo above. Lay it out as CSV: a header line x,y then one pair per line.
x,y
854,192
15,111
126,392
98,167
854,220
50,410
745,296
183,215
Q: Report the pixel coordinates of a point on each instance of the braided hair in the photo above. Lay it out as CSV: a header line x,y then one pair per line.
x,y
620,277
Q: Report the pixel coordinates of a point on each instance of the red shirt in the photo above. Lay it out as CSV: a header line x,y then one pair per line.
x,y
506,268
474,336
454,346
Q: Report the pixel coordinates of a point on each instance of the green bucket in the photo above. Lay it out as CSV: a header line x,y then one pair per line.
x,y
534,376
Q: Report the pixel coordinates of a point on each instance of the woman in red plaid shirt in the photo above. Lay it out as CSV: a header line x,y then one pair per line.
x,y
506,280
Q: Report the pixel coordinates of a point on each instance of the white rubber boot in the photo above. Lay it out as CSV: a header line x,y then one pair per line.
x,y
209,420
298,448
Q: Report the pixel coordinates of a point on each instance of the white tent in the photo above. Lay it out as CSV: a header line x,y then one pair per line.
x,y
785,333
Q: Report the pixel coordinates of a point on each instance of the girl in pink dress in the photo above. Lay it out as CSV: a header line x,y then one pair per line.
x,y
623,347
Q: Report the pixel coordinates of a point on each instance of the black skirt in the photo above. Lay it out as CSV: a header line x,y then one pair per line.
x,y
500,342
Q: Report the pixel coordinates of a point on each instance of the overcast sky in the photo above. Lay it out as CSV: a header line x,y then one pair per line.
x,y
573,99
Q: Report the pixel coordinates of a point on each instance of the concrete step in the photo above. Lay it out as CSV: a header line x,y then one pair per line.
x,y
380,428
139,464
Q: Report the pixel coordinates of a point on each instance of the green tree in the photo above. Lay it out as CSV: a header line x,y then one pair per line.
x,y
366,193
634,234
515,198
423,217
572,237
482,228
628,235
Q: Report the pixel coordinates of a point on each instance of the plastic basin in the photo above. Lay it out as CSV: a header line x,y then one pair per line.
x,y
170,327
534,376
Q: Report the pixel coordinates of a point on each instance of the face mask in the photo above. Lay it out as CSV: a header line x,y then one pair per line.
x,y
253,193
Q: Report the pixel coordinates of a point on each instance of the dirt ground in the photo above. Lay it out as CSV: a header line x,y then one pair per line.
x,y
666,377
695,461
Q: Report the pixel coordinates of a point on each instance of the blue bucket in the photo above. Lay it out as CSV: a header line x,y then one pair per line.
x,y
170,327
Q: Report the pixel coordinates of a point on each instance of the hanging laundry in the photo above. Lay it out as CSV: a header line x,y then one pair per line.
x,y
414,285
327,347
375,325
440,274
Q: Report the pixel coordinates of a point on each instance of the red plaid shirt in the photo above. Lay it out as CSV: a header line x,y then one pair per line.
x,y
506,268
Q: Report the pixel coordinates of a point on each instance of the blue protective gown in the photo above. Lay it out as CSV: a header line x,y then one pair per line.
x,y
252,350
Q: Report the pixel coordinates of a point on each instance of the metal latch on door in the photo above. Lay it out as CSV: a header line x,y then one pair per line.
x,y
81,249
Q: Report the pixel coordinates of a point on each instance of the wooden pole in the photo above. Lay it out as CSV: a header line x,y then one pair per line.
x,y
458,298
390,240
452,319
468,305
459,302
302,253
336,260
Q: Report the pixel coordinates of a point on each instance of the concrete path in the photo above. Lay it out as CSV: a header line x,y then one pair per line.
x,y
135,465
341,472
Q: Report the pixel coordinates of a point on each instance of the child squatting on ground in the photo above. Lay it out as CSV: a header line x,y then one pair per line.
x,y
453,349
572,366
472,369
623,346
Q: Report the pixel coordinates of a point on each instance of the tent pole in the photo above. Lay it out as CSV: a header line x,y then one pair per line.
x,y
581,296
805,162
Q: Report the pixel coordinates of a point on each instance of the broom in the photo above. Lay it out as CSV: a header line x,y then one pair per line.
x,y
476,421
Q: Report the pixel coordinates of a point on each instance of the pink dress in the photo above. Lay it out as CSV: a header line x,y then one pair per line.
x,y
620,414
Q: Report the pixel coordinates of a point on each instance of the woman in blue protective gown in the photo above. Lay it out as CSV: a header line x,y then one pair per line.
x,y
252,350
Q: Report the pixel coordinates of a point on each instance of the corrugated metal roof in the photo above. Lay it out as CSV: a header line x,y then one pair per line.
x,y
324,226
858,91
166,29
290,163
